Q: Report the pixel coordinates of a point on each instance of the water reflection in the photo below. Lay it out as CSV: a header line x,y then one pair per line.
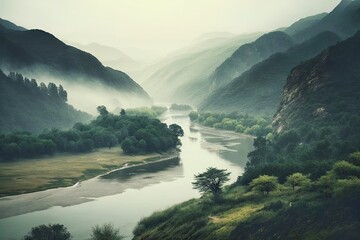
x,y
147,171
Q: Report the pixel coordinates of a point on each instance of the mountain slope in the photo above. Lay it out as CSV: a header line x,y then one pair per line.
x,y
26,106
248,55
344,20
11,26
178,77
258,91
41,55
110,56
324,88
304,23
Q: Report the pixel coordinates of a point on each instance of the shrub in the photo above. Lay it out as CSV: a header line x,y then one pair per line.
x,y
105,232
48,232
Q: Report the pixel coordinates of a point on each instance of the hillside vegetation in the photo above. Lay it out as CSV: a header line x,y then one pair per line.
x,y
304,182
27,105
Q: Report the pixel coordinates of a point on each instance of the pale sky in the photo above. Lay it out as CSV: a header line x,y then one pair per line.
x,y
144,28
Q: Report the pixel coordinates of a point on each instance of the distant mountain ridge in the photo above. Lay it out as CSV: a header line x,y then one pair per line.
x,y
248,55
110,56
34,51
344,20
320,90
9,25
183,75
258,91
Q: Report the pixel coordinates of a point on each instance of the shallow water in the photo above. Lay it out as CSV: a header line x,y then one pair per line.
x,y
126,196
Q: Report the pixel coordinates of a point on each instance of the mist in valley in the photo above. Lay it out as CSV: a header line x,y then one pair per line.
x,y
147,104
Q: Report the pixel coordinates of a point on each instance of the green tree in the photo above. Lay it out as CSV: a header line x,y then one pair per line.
x,y
127,146
193,115
297,180
177,130
211,180
345,169
122,112
264,184
105,232
48,232
102,110
62,93
259,154
53,90
326,184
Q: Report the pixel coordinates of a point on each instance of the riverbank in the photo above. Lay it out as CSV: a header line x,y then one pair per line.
x,y
63,170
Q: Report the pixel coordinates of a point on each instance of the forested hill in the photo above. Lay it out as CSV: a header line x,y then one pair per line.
x,y
258,91
39,51
325,89
248,55
27,105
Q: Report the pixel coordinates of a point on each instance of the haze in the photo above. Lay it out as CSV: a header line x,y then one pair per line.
x,y
151,29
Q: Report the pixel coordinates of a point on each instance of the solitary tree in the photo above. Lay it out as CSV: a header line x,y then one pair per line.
x,y
297,180
122,112
102,110
264,184
211,181
47,232
106,232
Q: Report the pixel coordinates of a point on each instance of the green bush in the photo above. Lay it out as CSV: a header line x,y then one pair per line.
x,y
105,232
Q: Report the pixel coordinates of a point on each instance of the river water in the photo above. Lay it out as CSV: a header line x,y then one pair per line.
x,y
124,197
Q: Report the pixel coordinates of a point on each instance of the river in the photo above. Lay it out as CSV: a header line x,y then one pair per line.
x,y
124,197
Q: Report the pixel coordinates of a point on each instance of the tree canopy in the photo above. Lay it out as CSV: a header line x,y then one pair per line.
x,y
264,184
47,232
211,181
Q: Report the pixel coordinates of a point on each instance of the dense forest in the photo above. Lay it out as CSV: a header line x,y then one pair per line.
x,y
241,123
28,105
135,134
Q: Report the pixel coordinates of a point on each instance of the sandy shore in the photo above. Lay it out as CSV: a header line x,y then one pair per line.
x,y
77,194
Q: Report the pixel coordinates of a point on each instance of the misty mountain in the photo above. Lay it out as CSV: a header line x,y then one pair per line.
x,y
258,91
183,76
304,23
110,56
41,55
324,90
11,26
248,55
344,20
26,106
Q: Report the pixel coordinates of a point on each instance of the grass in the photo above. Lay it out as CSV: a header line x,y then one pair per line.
x,y
61,170
283,214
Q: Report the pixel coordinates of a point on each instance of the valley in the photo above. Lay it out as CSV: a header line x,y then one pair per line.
x,y
137,120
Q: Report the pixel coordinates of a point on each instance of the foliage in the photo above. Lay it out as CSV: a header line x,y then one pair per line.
x,y
233,122
48,232
297,180
211,180
264,184
193,115
106,232
29,106
180,107
153,112
135,134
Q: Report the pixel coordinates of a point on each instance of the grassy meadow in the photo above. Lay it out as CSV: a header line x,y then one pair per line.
x,y
63,170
